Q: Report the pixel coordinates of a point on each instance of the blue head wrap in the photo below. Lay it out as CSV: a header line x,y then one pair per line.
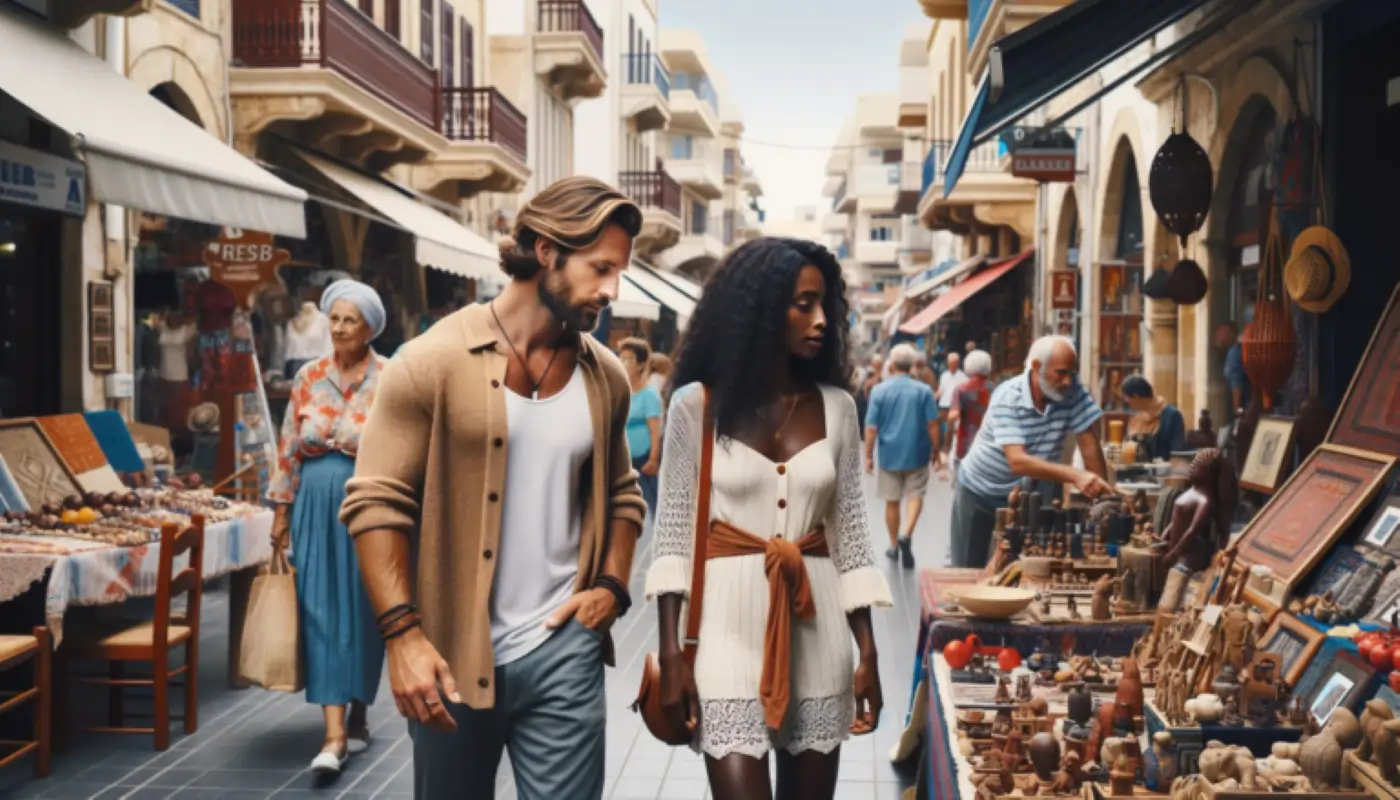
x,y
365,298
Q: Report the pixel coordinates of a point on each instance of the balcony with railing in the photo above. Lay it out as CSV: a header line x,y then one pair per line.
x,y
842,201
704,241
659,196
989,20
482,114
281,47
694,103
985,191
696,163
646,91
569,48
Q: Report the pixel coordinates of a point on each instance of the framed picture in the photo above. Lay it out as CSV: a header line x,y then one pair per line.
x,y
100,296
1311,512
102,326
1294,641
103,356
1343,680
1367,418
35,464
1383,529
1269,454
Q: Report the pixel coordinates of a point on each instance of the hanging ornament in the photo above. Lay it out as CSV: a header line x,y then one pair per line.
x,y
1180,185
1155,287
1187,283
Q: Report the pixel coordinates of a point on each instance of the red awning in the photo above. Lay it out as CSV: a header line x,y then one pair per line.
x,y
955,297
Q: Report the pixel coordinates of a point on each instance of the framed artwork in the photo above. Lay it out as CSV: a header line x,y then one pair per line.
x,y
1369,417
1311,511
100,296
103,356
35,464
1294,641
102,325
1269,454
1343,681
1382,531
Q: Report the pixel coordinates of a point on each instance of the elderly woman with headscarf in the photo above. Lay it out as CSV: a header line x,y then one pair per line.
x,y
330,400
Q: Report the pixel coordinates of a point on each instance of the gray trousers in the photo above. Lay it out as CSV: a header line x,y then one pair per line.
x,y
974,519
550,715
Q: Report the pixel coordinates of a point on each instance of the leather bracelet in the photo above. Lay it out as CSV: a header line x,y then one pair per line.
x,y
619,591
396,613
412,623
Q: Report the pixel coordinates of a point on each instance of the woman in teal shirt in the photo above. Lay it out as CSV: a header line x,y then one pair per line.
x,y
643,418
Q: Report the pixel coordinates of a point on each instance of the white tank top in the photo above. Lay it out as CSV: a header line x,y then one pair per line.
x,y
537,558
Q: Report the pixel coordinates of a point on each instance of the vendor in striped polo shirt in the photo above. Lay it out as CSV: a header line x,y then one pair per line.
x,y
1022,436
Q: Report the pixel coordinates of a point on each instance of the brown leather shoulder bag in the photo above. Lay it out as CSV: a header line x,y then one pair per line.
x,y
648,702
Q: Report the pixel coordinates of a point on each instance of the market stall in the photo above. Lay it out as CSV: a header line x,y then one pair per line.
x,y
1138,647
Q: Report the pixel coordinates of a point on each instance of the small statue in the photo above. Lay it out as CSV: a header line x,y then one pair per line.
x,y
1234,636
1101,608
1023,688
1204,434
1070,776
1044,599
1003,696
1073,609
1200,521
1232,718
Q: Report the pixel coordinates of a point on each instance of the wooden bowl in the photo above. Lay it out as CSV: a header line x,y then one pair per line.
x,y
992,602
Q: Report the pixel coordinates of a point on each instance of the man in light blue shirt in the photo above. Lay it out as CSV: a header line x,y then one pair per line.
x,y
903,417
1022,436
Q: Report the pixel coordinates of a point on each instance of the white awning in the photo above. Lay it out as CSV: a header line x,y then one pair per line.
x,y
139,152
663,292
440,241
633,303
688,287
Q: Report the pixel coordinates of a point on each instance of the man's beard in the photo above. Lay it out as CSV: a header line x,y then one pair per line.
x,y
554,292
1049,390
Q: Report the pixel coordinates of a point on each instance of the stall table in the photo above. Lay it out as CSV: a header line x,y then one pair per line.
x,y
86,573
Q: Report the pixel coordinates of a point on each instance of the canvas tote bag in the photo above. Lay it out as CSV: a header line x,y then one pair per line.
x,y
271,647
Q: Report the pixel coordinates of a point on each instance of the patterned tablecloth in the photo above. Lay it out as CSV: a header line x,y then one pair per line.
x,y
83,573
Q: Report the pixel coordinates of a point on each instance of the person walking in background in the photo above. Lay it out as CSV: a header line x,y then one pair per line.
x,y
903,417
660,367
865,383
1022,436
948,383
969,406
1156,425
496,511
321,434
1227,338
643,416
765,359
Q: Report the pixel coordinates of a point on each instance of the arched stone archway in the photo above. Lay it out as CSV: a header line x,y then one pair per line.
x,y
178,75
1121,240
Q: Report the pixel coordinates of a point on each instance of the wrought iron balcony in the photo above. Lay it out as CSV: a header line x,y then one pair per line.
x,y
571,16
653,189
483,114
335,36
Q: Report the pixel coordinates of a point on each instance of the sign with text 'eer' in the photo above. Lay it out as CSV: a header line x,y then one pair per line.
x,y
244,261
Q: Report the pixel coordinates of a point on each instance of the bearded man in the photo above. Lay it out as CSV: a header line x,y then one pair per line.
x,y
1023,433
496,510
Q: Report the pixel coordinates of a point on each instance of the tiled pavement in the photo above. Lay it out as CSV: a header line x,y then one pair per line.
x,y
257,744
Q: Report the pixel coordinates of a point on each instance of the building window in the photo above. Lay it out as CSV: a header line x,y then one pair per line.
x,y
392,20
697,217
468,54
425,32
367,8
449,68
730,161
682,147
190,7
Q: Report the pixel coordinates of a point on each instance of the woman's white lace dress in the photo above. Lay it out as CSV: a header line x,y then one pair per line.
x,y
820,486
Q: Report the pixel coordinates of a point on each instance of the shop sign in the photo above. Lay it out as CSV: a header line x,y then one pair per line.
x,y
1064,289
1042,155
244,261
42,180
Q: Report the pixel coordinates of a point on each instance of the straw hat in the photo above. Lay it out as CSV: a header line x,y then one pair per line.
x,y
1319,270
204,418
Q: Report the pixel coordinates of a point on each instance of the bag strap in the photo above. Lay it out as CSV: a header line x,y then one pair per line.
x,y
702,533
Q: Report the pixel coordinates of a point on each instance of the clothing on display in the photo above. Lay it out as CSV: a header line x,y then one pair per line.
x,y
307,336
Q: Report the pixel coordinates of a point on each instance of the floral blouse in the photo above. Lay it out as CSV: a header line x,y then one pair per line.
x,y
322,415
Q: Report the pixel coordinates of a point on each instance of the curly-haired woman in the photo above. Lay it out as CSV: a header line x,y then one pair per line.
x,y
774,667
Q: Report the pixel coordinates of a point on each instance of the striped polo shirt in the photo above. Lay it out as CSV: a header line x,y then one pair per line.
x,y
1012,418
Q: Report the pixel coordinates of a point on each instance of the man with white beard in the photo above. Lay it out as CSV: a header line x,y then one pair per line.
x,y
1022,436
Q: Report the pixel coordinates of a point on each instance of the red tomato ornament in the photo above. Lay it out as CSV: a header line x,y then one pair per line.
x,y
957,654
1395,658
1008,659
974,644
1365,645
1395,681
1383,657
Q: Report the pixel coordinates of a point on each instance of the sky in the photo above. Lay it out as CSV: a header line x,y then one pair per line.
x,y
796,67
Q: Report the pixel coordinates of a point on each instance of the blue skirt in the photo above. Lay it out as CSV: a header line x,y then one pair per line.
x,y
339,636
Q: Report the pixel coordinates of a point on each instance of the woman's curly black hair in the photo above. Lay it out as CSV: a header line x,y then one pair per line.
x,y
740,322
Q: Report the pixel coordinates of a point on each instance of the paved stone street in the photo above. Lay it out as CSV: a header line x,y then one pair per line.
x,y
257,744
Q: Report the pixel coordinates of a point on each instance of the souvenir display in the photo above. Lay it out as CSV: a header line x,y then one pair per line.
x,y
123,519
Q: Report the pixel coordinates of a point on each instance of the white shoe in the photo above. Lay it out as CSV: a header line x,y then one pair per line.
x,y
329,761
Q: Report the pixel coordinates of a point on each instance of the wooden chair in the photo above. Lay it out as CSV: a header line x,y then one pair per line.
x,y
15,650
153,641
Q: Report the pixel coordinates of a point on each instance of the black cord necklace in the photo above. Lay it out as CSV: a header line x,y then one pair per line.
x,y
534,384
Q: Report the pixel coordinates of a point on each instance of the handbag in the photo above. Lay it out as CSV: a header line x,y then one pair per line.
x,y
648,702
270,654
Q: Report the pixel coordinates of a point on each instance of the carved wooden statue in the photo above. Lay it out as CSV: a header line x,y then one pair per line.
x,y
1101,608
1200,523
1235,641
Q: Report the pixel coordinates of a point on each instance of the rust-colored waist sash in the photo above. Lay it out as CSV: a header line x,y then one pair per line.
x,y
789,592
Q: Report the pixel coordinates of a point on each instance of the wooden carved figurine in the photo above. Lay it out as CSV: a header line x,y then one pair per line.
x,y
1068,779
1200,523
1129,694
1003,691
1101,609
1234,645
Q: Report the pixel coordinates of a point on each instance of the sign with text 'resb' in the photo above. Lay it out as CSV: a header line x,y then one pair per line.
x,y
244,261
1046,164
42,180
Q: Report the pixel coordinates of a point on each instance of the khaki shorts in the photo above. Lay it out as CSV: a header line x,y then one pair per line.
x,y
897,484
